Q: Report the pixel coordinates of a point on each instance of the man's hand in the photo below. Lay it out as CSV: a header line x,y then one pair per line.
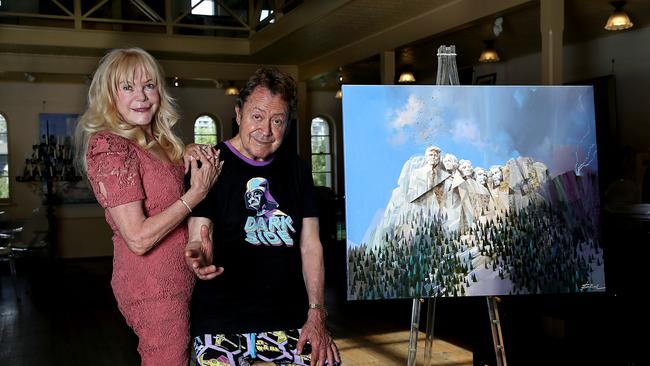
x,y
194,151
315,332
198,255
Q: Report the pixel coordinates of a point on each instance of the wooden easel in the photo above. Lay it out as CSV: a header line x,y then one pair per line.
x,y
448,75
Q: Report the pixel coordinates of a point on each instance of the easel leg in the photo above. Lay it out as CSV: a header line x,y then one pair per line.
x,y
495,325
413,338
431,318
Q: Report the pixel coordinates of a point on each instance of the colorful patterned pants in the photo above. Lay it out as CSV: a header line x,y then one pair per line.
x,y
244,349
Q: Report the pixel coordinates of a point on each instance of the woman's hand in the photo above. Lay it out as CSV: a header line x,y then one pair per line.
x,y
192,152
203,178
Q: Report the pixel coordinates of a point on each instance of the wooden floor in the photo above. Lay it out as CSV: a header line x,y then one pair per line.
x,y
70,318
391,349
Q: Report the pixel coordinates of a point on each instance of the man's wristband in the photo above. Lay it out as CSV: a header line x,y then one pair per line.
x,y
320,307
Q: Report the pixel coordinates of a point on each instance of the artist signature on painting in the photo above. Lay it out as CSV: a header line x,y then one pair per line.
x,y
592,287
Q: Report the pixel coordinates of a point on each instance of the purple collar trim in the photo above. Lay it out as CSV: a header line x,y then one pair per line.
x,y
248,160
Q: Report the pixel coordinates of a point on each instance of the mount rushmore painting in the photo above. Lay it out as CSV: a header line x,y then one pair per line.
x,y
470,191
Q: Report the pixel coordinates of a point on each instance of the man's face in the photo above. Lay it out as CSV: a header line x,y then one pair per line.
x,y
254,199
262,122
433,157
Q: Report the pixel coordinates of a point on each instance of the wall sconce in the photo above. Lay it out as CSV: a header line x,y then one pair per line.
x,y
619,19
176,82
406,77
489,54
339,92
231,89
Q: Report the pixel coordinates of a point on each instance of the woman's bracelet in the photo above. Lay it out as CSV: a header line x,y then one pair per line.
x,y
186,205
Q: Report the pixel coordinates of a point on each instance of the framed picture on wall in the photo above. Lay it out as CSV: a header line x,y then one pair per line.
x,y
488,79
57,129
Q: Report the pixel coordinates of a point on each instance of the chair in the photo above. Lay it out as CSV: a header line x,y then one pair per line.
x,y
7,255
23,241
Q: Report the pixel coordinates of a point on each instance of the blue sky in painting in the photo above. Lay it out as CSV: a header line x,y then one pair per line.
x,y
383,126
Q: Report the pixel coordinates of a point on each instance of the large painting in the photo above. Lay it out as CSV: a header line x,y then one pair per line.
x,y
470,191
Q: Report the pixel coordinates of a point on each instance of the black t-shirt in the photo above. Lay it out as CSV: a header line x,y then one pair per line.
x,y
257,210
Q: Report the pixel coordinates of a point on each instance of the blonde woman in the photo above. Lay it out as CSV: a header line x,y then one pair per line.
x,y
133,162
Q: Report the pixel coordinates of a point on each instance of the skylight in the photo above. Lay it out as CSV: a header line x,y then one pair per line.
x,y
206,7
265,14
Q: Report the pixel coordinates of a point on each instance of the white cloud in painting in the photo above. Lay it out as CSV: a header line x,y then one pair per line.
x,y
417,118
409,114
403,119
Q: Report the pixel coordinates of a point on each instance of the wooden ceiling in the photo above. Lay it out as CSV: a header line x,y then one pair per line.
x,y
319,36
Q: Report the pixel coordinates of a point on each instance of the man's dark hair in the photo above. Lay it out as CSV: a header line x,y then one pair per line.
x,y
277,82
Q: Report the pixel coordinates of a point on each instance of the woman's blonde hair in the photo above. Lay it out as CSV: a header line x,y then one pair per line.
x,y
116,66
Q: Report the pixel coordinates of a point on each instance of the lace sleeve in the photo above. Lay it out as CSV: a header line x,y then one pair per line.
x,y
113,170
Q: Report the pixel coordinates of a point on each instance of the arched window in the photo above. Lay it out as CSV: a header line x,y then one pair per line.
x,y
321,152
205,130
4,159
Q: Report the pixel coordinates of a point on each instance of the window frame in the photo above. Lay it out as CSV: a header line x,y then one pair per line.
x,y
5,200
332,150
217,127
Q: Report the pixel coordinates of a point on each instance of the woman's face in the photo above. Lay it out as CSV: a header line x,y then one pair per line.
x,y
138,99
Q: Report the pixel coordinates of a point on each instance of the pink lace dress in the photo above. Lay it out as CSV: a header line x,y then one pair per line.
x,y
152,290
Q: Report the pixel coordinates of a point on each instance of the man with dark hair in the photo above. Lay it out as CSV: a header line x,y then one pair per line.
x,y
259,256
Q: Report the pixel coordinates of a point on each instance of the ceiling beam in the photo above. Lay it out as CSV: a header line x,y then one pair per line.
x,y
93,39
444,18
303,15
84,65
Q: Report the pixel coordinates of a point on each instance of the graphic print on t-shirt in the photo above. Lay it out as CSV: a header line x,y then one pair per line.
x,y
269,225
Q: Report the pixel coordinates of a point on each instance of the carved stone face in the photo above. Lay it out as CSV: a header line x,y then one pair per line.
x,y
433,156
450,162
465,168
497,176
481,176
